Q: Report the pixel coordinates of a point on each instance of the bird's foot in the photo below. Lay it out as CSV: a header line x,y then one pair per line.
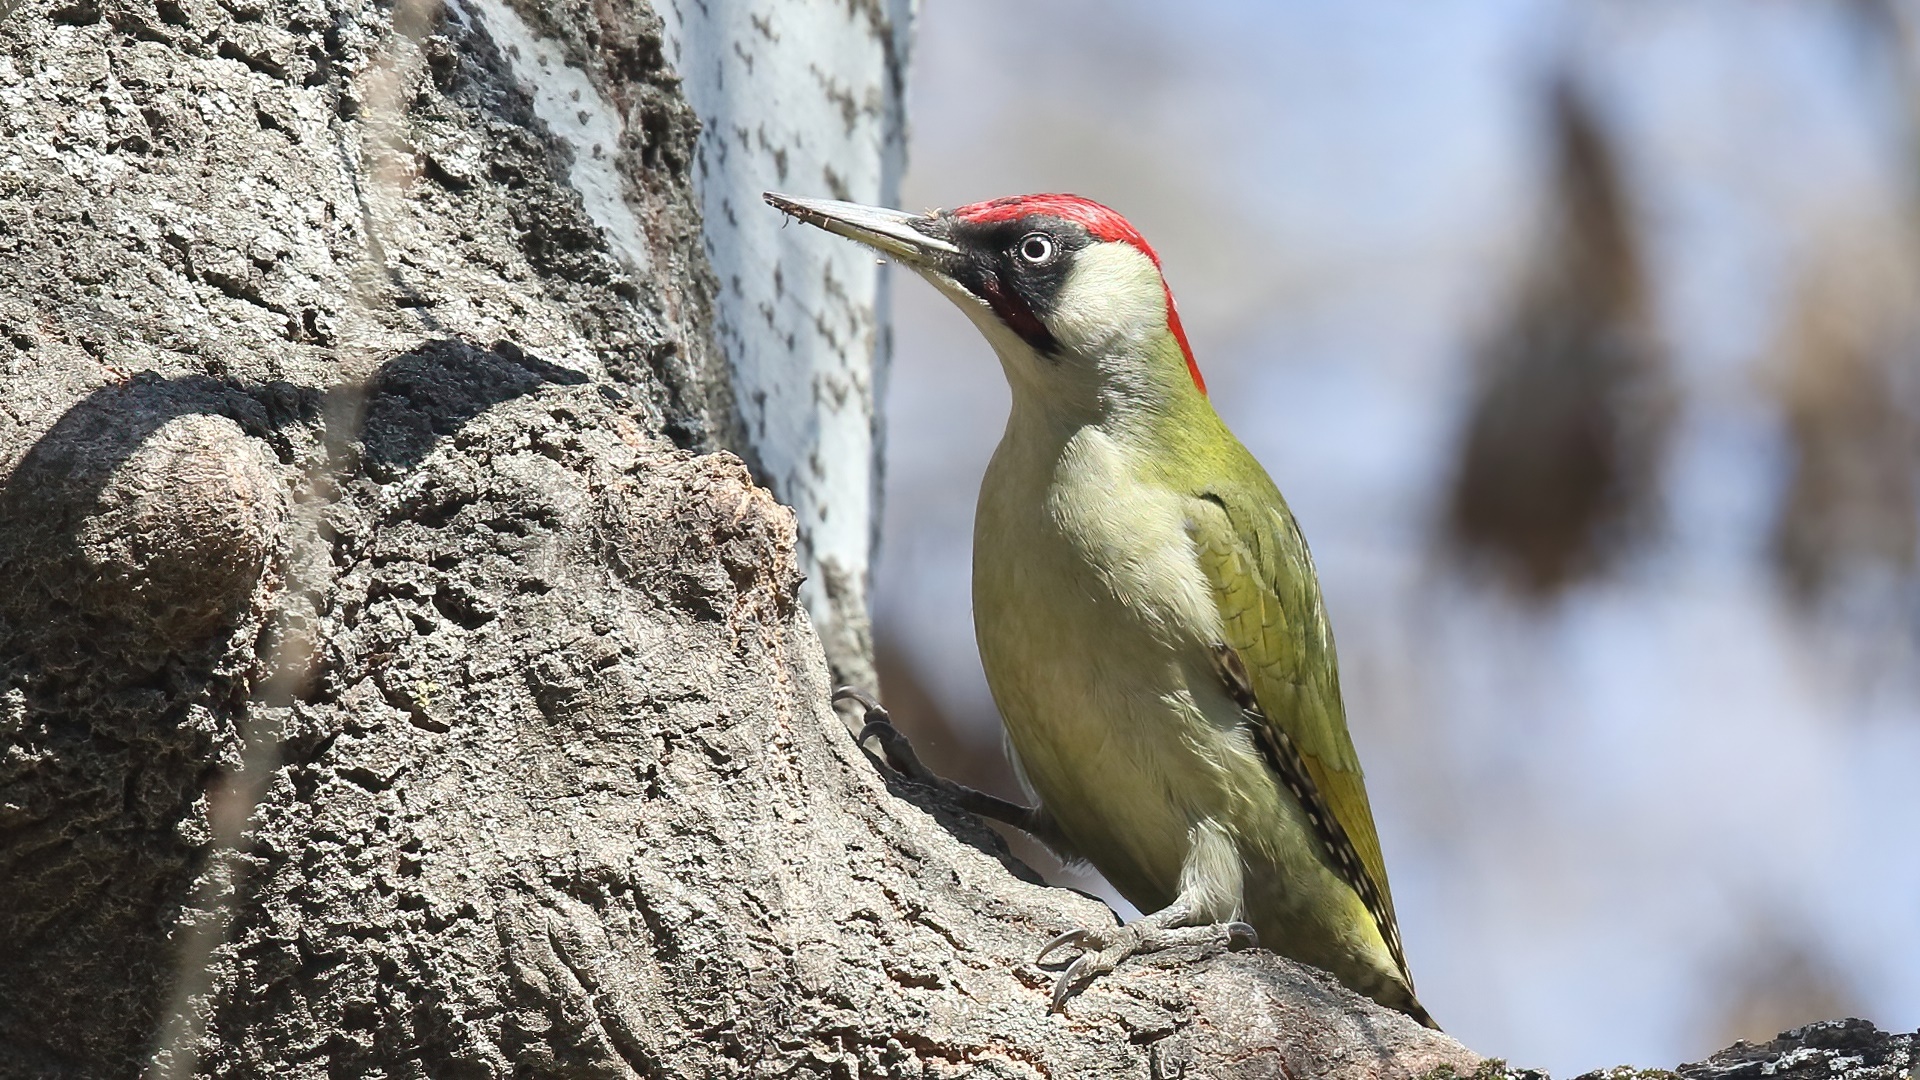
x,y
1102,950
897,752
895,748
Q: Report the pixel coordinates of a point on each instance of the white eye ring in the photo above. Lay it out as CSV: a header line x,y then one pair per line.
x,y
1036,248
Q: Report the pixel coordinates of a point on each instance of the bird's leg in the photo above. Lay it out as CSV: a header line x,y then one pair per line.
x,y
1172,926
1205,912
899,755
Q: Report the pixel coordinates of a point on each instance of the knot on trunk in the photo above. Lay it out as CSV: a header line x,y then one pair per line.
x,y
141,527
182,534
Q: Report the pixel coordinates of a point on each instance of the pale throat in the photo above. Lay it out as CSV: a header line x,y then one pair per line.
x,y
1117,365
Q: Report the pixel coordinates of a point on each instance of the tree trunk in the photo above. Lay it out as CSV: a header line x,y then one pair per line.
x,y
398,676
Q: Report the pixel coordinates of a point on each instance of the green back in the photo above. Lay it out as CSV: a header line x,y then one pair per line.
x,y
1276,623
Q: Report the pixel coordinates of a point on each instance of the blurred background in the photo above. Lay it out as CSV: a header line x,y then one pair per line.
x,y
1582,338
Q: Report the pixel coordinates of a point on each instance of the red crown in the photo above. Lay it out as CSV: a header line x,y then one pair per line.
x,y
1103,223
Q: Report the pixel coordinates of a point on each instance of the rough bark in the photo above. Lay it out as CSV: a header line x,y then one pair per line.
x,y
396,677
1834,1048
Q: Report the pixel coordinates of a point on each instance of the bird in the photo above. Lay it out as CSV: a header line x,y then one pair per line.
x,y
1147,612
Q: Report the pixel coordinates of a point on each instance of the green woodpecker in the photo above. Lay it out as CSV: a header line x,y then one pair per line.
x,y
1147,613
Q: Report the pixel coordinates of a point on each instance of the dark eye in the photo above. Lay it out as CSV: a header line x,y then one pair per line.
x,y
1036,248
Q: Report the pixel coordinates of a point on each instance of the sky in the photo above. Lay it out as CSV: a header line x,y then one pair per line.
x,y
1664,809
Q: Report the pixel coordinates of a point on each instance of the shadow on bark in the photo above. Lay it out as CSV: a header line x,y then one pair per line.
x,y
141,539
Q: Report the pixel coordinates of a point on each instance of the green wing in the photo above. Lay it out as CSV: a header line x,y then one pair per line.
x,y
1278,660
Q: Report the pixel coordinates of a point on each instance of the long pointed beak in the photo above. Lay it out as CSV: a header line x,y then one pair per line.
x,y
893,232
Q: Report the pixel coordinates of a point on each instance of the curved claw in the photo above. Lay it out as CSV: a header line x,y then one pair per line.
x,y
1242,935
896,750
1071,937
1065,983
855,694
897,753
894,747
